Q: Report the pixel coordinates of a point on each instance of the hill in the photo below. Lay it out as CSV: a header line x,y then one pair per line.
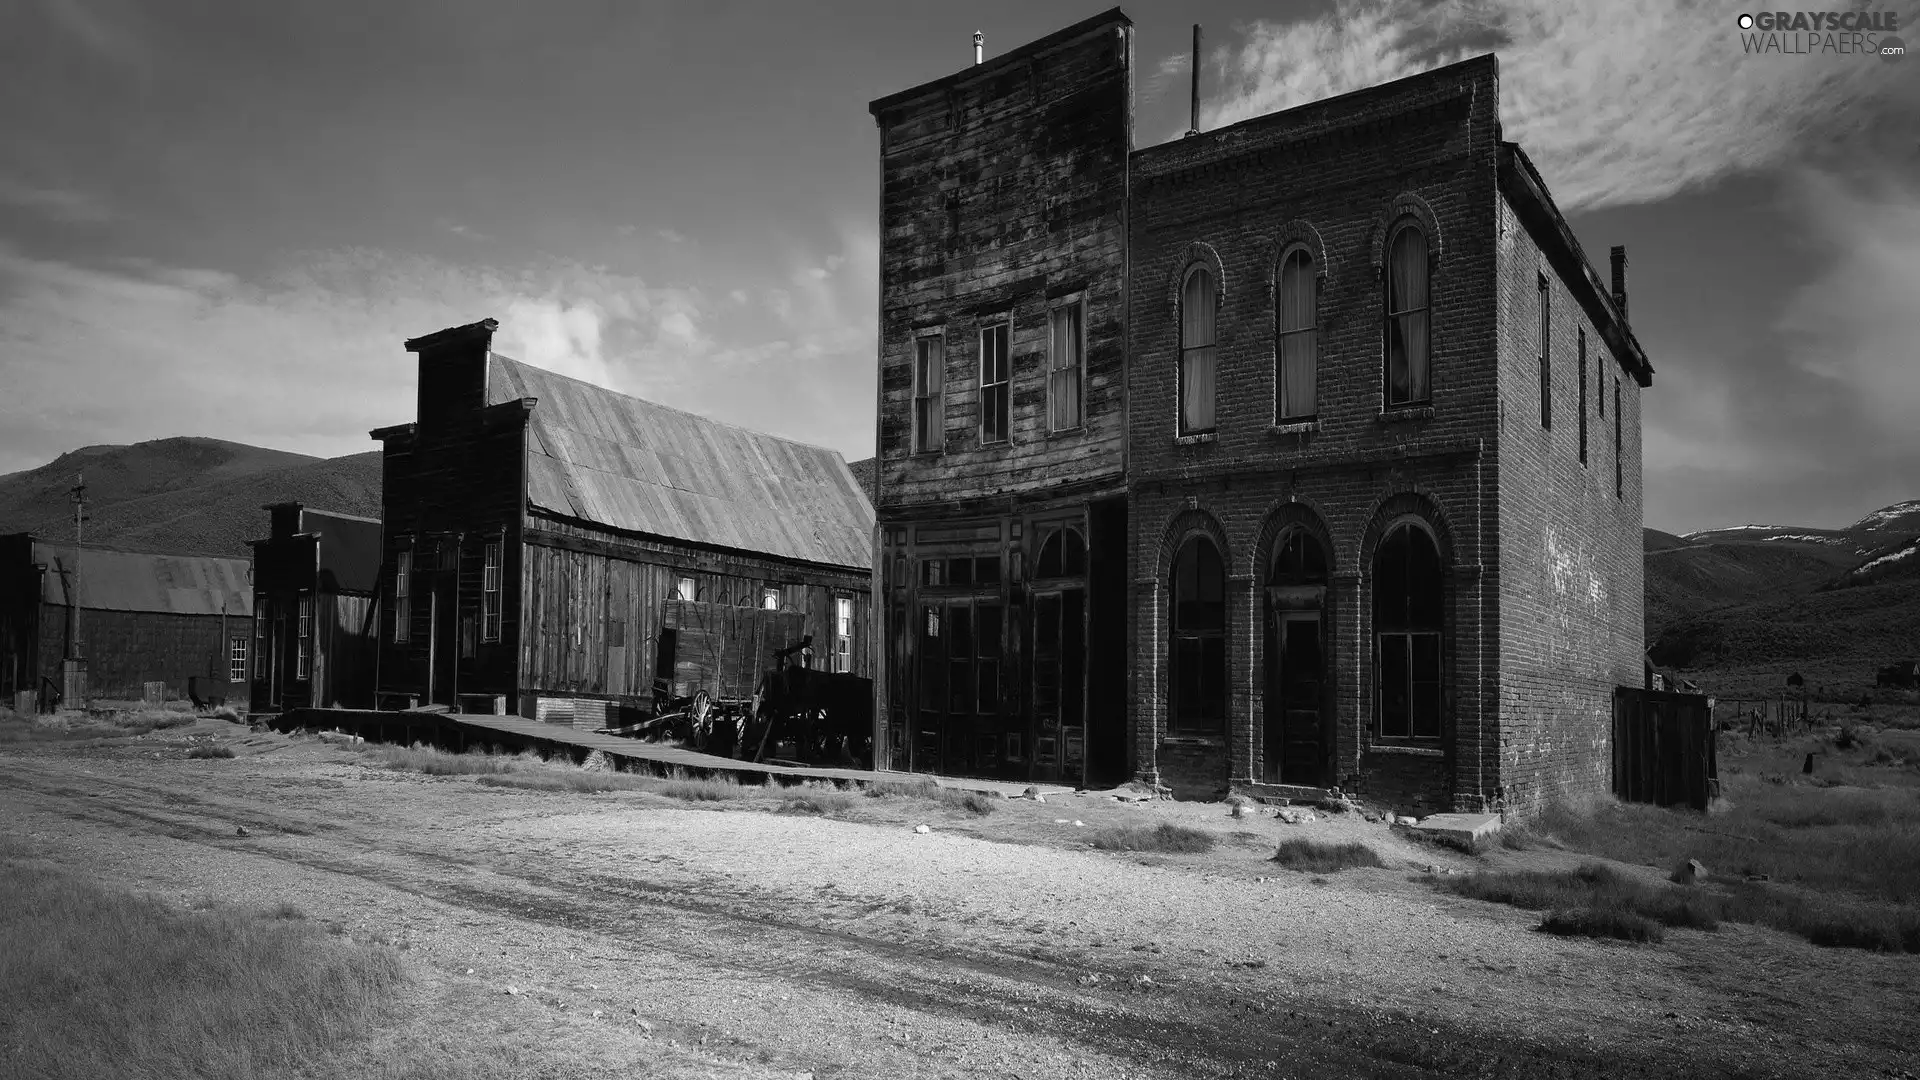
x,y
184,495
1742,607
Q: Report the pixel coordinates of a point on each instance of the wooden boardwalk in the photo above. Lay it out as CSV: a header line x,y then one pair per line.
x,y
459,731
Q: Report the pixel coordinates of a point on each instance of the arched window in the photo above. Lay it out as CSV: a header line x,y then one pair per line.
x,y
1199,647
1407,328
1408,596
1063,555
1300,561
1298,320
1197,299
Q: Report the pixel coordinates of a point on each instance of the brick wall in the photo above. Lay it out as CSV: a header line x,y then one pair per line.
x,y
1571,562
1333,176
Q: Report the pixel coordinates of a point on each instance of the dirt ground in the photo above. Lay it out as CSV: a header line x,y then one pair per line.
x,y
631,934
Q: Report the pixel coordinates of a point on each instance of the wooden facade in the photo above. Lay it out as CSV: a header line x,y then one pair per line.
x,y
543,536
315,583
1001,448
141,618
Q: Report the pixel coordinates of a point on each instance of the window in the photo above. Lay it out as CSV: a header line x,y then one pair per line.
x,y
842,634
929,386
490,594
403,598
1063,554
684,589
237,659
1065,344
303,657
1199,646
994,400
1407,615
1619,468
1197,300
1298,352
1407,319
770,599
1546,355
1582,360
1600,390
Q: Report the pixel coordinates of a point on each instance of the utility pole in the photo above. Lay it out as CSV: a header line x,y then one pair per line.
x,y
75,689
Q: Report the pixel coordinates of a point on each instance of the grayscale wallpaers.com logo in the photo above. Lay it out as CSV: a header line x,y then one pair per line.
x,y
1854,33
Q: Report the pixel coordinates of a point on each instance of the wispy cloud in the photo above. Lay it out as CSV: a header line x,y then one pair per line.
x,y
57,203
105,28
309,357
1618,103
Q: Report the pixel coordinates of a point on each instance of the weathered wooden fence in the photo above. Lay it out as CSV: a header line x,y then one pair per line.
x,y
1663,748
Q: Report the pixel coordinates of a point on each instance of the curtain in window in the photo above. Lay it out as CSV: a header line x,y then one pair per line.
x,y
1196,352
1299,344
1064,374
1407,317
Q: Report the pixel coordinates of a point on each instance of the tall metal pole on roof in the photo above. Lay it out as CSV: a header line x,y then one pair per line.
x,y
1195,129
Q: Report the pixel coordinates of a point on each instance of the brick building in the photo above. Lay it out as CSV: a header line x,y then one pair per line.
x,y
1381,444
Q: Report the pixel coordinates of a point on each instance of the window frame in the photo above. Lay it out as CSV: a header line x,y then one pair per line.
x,y
492,571
686,588
843,634
238,653
928,417
1387,633
1179,720
303,637
403,573
769,598
1619,448
1281,333
1546,354
1077,305
996,395
1400,229
1581,360
1212,347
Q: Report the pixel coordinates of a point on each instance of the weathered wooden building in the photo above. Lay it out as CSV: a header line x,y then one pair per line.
x,y
315,577
1371,416
1001,454
554,548
141,618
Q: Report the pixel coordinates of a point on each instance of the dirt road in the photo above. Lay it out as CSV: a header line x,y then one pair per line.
x,y
566,934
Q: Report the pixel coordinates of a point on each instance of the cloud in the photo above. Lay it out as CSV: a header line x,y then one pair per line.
x,y
102,27
308,356
1617,103
58,203
671,236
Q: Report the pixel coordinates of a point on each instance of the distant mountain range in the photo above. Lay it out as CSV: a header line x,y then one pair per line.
x,y
1741,607
1749,605
186,495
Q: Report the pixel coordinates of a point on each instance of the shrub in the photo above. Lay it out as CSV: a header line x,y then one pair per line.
x,y
1603,923
1166,838
972,802
1593,886
816,802
207,750
1318,857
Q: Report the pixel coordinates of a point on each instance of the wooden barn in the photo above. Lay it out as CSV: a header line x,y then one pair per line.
x,y
140,618
314,584
561,551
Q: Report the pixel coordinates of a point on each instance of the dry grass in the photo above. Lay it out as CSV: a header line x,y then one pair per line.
x,y
705,789
68,725
579,782
1603,923
102,982
818,802
1319,857
421,758
1593,887
971,802
1165,838
208,750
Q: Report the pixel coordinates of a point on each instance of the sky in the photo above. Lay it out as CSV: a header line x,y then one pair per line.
x,y
224,218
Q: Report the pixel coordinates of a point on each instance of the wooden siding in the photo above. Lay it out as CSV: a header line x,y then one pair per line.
x,y
126,649
578,582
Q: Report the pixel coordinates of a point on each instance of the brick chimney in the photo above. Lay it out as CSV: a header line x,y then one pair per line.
x,y
453,371
1620,279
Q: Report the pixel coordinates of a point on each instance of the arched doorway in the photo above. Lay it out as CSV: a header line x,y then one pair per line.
x,y
1058,605
1409,626
1197,651
1298,728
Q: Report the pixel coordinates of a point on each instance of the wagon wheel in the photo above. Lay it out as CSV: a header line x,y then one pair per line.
x,y
698,720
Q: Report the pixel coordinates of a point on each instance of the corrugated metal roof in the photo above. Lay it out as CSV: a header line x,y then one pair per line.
x,y
630,464
129,581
